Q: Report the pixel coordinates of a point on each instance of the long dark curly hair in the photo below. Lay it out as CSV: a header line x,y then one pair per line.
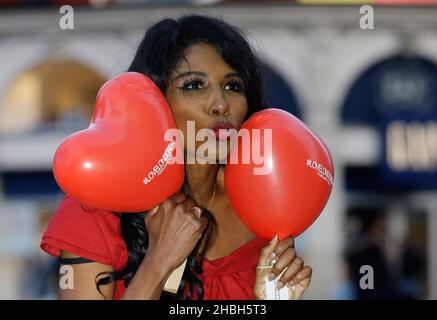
x,y
159,53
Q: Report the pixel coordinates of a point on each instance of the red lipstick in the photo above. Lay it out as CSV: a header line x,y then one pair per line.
x,y
220,130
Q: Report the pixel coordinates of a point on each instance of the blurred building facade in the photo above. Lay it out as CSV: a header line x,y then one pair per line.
x,y
370,95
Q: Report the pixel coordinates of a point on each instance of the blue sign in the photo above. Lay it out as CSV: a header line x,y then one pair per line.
x,y
396,87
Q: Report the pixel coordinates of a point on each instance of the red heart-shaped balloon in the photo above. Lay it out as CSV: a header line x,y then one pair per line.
x,y
120,162
296,181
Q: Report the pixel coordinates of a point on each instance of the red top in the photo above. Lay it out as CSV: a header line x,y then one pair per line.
x,y
95,235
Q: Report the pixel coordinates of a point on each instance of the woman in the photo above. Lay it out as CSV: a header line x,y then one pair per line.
x,y
208,74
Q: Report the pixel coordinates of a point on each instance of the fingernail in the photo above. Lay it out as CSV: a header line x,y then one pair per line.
x,y
271,276
279,285
272,255
274,239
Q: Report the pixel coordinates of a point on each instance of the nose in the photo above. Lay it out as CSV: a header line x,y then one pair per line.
x,y
219,105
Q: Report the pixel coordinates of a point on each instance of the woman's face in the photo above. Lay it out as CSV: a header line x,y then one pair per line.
x,y
206,90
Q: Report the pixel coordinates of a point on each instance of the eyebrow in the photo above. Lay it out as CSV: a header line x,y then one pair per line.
x,y
203,74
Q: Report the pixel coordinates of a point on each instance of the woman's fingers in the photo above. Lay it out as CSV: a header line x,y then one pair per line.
x,y
286,261
264,259
185,204
299,289
301,282
281,247
153,211
295,274
197,211
283,261
203,222
282,255
188,203
286,265
178,197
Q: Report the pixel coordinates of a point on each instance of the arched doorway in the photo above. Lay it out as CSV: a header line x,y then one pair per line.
x,y
50,99
52,95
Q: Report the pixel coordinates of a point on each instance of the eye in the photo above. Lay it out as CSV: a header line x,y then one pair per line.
x,y
235,85
192,84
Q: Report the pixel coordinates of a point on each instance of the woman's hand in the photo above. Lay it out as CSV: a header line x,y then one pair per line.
x,y
174,228
288,268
